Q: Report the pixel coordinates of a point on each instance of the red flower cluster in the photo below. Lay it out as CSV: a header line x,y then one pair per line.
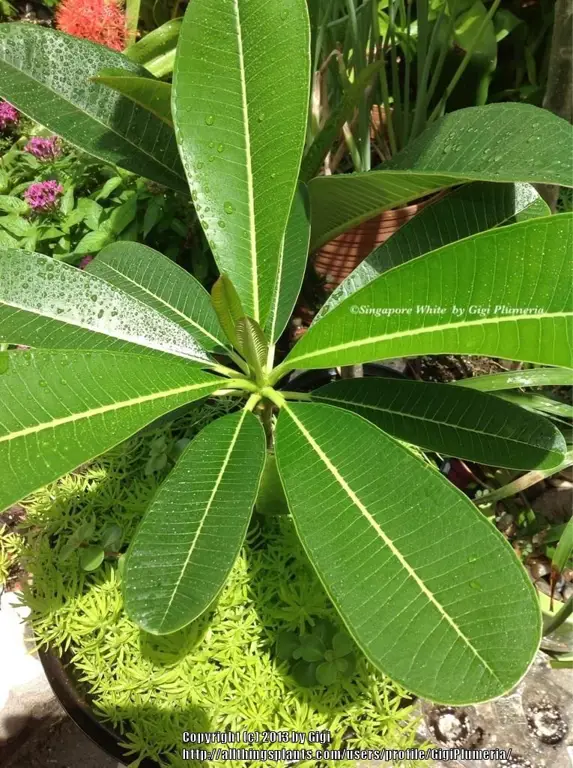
x,y
101,21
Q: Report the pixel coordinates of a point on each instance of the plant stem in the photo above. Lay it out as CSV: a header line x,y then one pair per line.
x,y
238,385
302,396
550,625
277,373
267,421
252,401
238,361
230,373
275,397
132,20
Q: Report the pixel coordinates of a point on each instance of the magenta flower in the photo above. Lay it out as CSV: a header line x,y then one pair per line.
x,y
44,149
9,116
43,195
85,261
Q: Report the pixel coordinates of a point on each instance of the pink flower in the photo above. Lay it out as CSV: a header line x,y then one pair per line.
x,y
43,195
44,149
85,261
9,116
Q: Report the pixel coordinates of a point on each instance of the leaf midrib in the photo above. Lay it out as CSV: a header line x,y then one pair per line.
x,y
248,163
446,424
389,543
104,409
422,332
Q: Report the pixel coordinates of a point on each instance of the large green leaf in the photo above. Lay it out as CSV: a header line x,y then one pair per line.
x,y
429,589
46,303
191,534
60,409
157,281
526,377
291,267
503,293
479,428
240,116
465,211
46,74
499,142
153,95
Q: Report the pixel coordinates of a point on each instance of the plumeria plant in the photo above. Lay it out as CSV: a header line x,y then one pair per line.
x,y
426,586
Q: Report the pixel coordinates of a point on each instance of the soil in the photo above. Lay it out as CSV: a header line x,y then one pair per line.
x,y
446,368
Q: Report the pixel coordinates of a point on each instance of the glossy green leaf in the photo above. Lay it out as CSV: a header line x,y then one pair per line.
x,y
471,22
424,583
46,74
155,280
241,122
291,267
228,307
11,204
498,142
462,212
252,343
91,557
156,50
192,532
526,377
153,95
477,427
46,303
61,409
503,293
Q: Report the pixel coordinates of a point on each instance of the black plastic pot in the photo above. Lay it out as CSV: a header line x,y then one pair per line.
x,y
68,692
60,672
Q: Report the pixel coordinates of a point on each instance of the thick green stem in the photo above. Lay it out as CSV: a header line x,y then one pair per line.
x,y
230,373
302,396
